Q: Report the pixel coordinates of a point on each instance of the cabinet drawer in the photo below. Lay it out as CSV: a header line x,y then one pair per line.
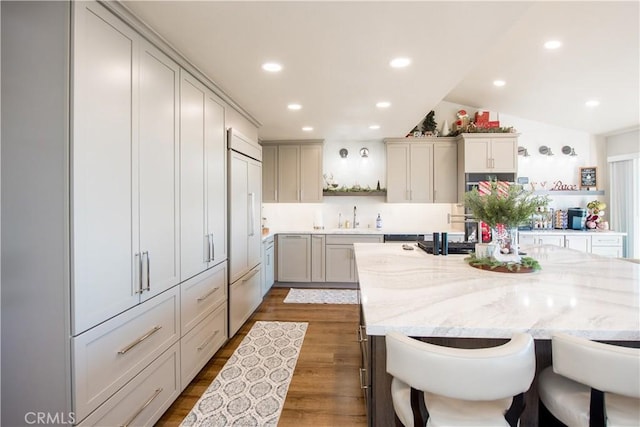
x,y
143,400
201,343
111,354
352,238
607,251
201,294
606,240
245,296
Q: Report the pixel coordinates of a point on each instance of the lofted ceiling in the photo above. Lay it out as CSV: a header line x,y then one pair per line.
x,y
335,57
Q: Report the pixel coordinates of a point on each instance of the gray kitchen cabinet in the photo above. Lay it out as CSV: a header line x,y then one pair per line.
x,y
294,258
340,257
293,171
318,257
268,264
484,152
422,171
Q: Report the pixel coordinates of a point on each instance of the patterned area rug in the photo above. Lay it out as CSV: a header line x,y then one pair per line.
x,y
251,387
322,296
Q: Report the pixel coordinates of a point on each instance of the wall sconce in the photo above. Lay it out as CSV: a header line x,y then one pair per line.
x,y
344,153
523,152
569,151
545,151
364,152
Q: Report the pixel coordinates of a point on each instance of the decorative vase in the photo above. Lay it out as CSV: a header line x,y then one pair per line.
x,y
445,129
505,241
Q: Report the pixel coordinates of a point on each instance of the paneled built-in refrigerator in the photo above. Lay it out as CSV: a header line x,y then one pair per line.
x,y
245,239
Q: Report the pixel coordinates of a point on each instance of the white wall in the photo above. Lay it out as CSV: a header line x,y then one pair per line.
x,y
591,150
623,143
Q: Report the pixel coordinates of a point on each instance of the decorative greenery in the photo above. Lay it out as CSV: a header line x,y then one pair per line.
x,y
492,263
511,209
472,128
354,189
429,124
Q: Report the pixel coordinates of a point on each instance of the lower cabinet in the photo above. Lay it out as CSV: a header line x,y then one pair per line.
x,y
318,257
294,257
340,257
146,397
268,264
604,244
245,295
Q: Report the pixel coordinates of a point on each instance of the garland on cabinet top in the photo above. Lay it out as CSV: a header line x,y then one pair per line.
x,y
484,122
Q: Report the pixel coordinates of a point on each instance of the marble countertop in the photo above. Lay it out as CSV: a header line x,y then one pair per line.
x,y
567,231
442,296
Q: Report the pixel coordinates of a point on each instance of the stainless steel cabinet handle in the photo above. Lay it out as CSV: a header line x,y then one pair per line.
x,y
148,288
250,276
139,340
361,335
207,258
207,295
139,278
363,374
144,405
213,249
208,340
293,236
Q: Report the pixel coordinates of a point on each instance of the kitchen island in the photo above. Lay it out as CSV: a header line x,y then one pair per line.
x,y
442,300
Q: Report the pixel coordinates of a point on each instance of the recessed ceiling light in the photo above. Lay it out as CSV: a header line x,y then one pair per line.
x,y
592,103
272,67
400,62
383,104
374,127
552,44
307,128
499,83
294,106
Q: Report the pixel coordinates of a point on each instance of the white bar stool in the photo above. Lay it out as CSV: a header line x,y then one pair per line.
x,y
590,384
444,386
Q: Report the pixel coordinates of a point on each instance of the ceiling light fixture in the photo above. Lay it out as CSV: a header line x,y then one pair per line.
x,y
307,128
592,103
383,104
294,106
499,83
272,67
400,62
552,44
374,127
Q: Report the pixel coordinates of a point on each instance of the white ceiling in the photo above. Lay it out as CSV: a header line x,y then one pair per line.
x,y
336,60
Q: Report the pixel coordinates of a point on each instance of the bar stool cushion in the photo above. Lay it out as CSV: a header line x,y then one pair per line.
x,y
462,387
580,365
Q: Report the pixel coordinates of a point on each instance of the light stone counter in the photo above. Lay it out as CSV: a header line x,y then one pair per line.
x,y
424,295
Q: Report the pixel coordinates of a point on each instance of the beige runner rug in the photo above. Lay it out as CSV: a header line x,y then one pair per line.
x,y
251,387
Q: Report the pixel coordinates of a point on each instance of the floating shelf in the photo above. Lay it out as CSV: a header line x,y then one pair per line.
x,y
354,193
571,192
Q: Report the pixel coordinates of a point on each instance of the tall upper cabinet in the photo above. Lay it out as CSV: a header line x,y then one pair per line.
x,y
483,152
292,171
203,174
421,170
125,183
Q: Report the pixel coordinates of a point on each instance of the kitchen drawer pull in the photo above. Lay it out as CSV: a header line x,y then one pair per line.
x,y
142,408
250,276
361,335
207,295
363,374
294,236
139,340
206,343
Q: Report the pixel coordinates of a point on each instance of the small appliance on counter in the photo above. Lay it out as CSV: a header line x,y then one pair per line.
x,y
576,218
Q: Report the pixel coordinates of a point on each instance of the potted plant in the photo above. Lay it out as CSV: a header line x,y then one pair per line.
x,y
503,208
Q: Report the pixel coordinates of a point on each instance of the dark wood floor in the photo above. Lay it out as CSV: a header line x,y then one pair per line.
x,y
325,389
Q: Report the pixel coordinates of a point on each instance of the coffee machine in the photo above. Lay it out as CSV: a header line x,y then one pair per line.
x,y
576,218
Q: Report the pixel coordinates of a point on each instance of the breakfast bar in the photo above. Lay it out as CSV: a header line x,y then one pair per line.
x,y
443,300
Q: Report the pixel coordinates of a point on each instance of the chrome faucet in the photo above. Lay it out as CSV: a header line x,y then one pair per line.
x,y
355,221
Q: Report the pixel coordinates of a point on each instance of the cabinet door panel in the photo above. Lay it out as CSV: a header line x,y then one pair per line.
x,y
104,240
254,189
476,155
192,178
579,243
421,171
340,263
269,173
240,215
504,155
311,174
318,262
288,173
216,181
398,178
294,258
158,173
244,297
445,172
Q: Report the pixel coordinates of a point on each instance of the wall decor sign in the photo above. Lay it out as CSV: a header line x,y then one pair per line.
x,y
589,177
